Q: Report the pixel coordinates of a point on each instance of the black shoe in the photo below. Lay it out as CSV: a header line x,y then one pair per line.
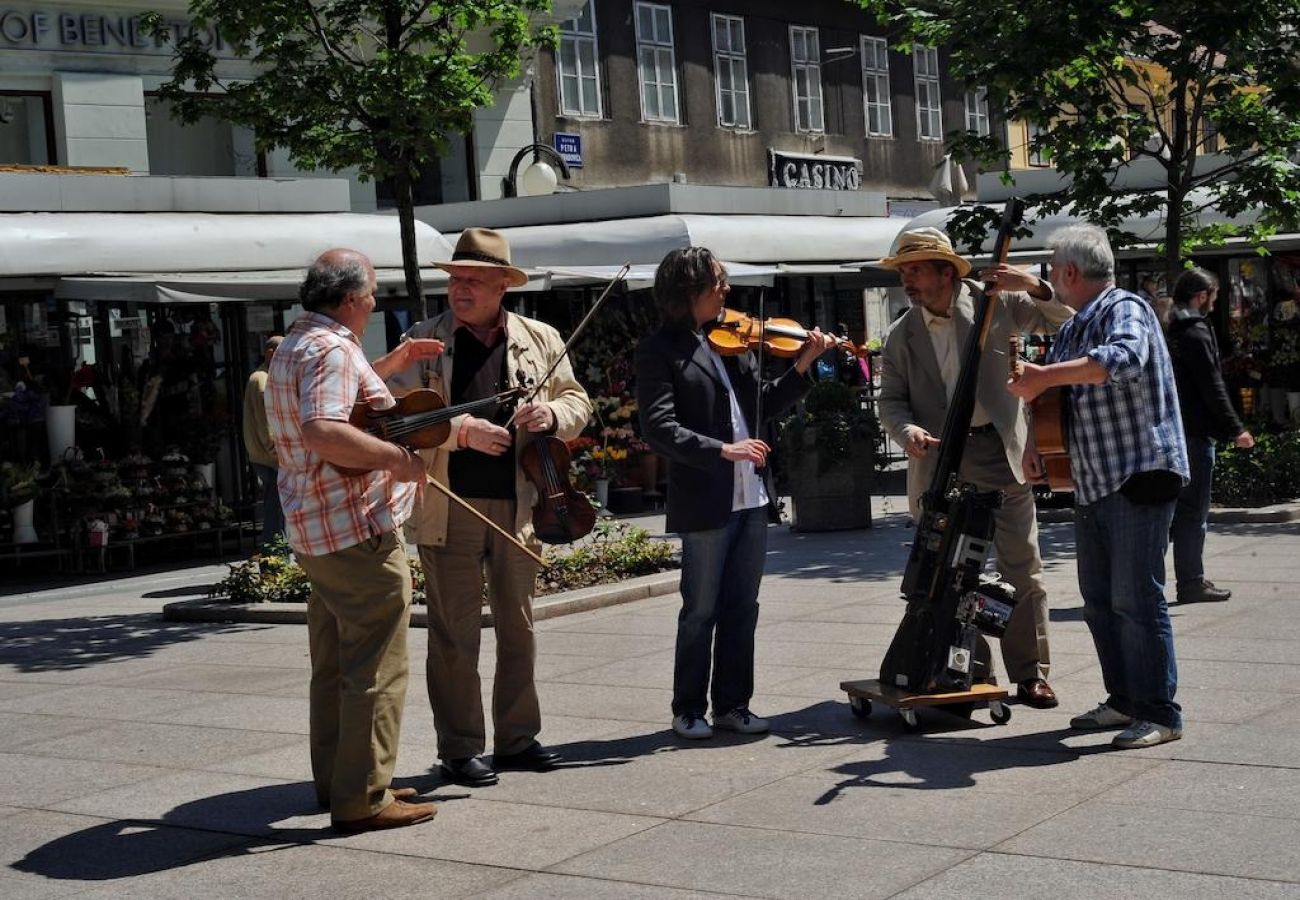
x,y
533,758
1203,592
471,772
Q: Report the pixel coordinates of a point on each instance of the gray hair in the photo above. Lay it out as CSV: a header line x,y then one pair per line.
x,y
1087,247
331,279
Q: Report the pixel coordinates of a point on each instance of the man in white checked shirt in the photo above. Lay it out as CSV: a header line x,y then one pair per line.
x,y
343,530
922,360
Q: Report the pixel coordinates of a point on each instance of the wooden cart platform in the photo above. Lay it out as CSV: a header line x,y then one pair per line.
x,y
960,703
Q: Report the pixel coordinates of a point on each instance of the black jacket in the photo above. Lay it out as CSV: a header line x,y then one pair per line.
x,y
686,416
1202,396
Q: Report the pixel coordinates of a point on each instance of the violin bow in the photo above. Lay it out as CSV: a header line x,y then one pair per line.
x,y
573,339
451,495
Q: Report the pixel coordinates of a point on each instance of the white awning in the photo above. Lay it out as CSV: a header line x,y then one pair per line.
x,y
214,287
755,240
643,276
69,244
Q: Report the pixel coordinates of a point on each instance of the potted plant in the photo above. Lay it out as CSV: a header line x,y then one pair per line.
x,y
828,455
18,491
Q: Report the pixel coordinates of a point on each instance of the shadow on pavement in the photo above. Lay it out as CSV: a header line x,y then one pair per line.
x,y
623,750
52,645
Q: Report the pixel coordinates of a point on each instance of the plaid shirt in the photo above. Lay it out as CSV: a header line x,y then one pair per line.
x,y
1130,423
319,372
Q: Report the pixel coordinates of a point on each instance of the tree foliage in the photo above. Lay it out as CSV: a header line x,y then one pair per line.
x,y
1104,81
376,84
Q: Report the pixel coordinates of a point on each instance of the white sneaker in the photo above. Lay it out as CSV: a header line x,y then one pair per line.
x,y
741,720
1102,717
1145,734
693,728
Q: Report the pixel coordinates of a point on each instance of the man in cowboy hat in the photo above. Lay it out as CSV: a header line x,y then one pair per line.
x,y
487,351
922,360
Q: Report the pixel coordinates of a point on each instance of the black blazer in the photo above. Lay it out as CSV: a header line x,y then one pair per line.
x,y
1203,399
686,416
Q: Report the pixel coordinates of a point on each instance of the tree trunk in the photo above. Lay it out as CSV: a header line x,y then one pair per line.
x,y
1173,236
410,254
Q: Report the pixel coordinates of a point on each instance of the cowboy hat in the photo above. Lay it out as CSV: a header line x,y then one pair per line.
x,y
487,249
921,244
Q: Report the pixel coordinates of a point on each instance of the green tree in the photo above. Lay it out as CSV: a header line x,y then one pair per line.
x,y
376,84
1104,81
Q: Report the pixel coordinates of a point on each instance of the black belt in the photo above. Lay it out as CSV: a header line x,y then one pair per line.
x,y
984,429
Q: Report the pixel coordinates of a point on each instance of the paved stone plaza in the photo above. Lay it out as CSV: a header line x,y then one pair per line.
x,y
143,759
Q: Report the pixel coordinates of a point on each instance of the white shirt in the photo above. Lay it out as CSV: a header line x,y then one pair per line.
x,y
943,337
748,491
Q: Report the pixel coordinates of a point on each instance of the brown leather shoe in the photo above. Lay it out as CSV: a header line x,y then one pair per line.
x,y
1036,693
395,815
398,794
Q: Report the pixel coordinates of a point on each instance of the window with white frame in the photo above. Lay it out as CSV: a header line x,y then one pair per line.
x,y
1209,133
656,62
977,111
576,65
929,106
1034,155
732,71
875,87
806,78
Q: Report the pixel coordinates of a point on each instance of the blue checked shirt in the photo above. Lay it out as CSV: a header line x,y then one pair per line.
x,y
1130,423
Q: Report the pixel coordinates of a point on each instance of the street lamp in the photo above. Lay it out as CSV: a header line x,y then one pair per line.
x,y
539,178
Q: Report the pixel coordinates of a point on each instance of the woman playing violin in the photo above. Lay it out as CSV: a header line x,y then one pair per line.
x,y
699,409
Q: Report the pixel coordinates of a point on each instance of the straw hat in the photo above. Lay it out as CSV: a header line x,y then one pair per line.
x,y
487,249
922,244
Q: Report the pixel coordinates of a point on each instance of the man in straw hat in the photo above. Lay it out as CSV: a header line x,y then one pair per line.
x,y
922,361
487,349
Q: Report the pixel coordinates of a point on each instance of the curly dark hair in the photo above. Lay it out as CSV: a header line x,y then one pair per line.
x,y
682,275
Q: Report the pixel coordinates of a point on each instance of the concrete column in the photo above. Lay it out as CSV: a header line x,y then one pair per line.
x,y
99,120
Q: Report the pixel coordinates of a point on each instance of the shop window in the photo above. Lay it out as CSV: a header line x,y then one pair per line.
x,y
875,87
25,129
929,105
577,65
656,63
806,78
732,70
209,146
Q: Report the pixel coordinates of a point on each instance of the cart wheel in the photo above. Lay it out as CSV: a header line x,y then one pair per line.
x,y
999,712
909,719
860,706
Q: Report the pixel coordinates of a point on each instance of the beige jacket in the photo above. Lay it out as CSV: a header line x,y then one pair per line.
x,y
531,347
912,391
257,434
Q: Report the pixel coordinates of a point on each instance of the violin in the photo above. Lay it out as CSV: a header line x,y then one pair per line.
x,y
735,333
420,419
562,514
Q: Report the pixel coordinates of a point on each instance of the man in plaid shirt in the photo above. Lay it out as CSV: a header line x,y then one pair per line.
x,y
344,532
1129,461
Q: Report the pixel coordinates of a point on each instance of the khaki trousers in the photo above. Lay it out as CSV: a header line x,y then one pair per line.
x,y
357,620
1015,540
454,577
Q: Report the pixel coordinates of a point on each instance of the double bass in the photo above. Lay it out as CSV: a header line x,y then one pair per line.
x,y
1050,424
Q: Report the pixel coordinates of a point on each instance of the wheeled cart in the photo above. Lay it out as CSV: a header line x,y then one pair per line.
x,y
960,703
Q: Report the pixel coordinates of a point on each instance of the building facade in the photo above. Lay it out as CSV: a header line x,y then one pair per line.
x,y
754,93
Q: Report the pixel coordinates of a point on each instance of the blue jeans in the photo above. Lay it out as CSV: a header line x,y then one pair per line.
x,y
272,512
1191,513
1121,556
721,572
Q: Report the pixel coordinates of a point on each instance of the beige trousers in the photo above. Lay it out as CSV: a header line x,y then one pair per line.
x,y
1015,540
357,620
455,576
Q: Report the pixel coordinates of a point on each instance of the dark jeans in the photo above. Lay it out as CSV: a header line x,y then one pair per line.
x,y
1121,557
1191,513
272,512
721,572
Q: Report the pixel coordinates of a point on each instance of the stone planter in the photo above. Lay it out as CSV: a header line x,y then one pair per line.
x,y
834,497
24,533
